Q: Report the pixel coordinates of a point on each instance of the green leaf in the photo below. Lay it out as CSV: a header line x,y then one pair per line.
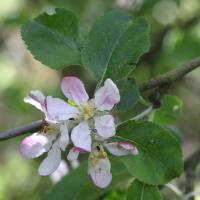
x,y
141,191
55,40
159,158
170,110
175,133
114,40
129,94
77,185
126,70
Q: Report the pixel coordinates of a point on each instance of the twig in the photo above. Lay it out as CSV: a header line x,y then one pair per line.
x,y
159,80
29,128
171,76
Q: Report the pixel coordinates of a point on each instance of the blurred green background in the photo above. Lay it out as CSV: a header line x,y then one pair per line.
x,y
175,39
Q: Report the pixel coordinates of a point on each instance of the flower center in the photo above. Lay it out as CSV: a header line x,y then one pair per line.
x,y
50,128
86,111
96,154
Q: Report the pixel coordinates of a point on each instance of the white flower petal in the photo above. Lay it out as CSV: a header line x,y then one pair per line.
x,y
60,172
107,96
121,148
35,145
100,174
105,126
64,138
74,89
59,109
52,161
81,138
74,164
36,99
73,154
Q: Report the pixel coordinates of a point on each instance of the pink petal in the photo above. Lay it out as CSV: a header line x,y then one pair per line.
x,y
36,99
64,138
107,96
121,148
74,89
81,138
73,154
105,126
52,161
100,174
59,109
35,145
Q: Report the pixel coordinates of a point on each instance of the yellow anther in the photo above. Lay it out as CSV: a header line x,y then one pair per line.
x,y
104,154
96,154
78,116
91,157
91,106
86,117
96,162
93,163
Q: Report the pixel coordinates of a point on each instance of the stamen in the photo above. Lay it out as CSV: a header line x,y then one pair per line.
x,y
96,162
86,117
93,163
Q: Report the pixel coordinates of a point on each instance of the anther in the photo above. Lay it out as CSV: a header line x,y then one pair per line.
x,y
96,162
104,154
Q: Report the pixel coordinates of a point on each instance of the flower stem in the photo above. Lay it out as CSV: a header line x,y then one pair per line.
x,y
152,115
141,115
144,102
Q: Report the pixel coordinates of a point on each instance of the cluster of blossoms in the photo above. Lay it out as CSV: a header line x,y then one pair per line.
x,y
86,123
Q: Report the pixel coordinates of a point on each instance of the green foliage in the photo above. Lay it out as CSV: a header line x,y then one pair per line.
x,y
125,71
170,110
175,133
141,191
55,40
160,156
129,94
114,40
80,187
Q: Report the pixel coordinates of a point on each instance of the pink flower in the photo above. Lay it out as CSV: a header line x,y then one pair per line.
x,y
104,100
40,142
99,166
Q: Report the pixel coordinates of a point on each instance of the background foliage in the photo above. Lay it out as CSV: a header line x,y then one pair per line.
x,y
175,39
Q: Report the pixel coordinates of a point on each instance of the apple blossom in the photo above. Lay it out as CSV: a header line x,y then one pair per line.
x,y
40,142
92,116
99,165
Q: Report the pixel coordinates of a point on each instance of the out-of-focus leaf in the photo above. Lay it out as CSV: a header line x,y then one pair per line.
x,y
129,94
159,158
170,110
141,191
55,40
76,185
114,40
